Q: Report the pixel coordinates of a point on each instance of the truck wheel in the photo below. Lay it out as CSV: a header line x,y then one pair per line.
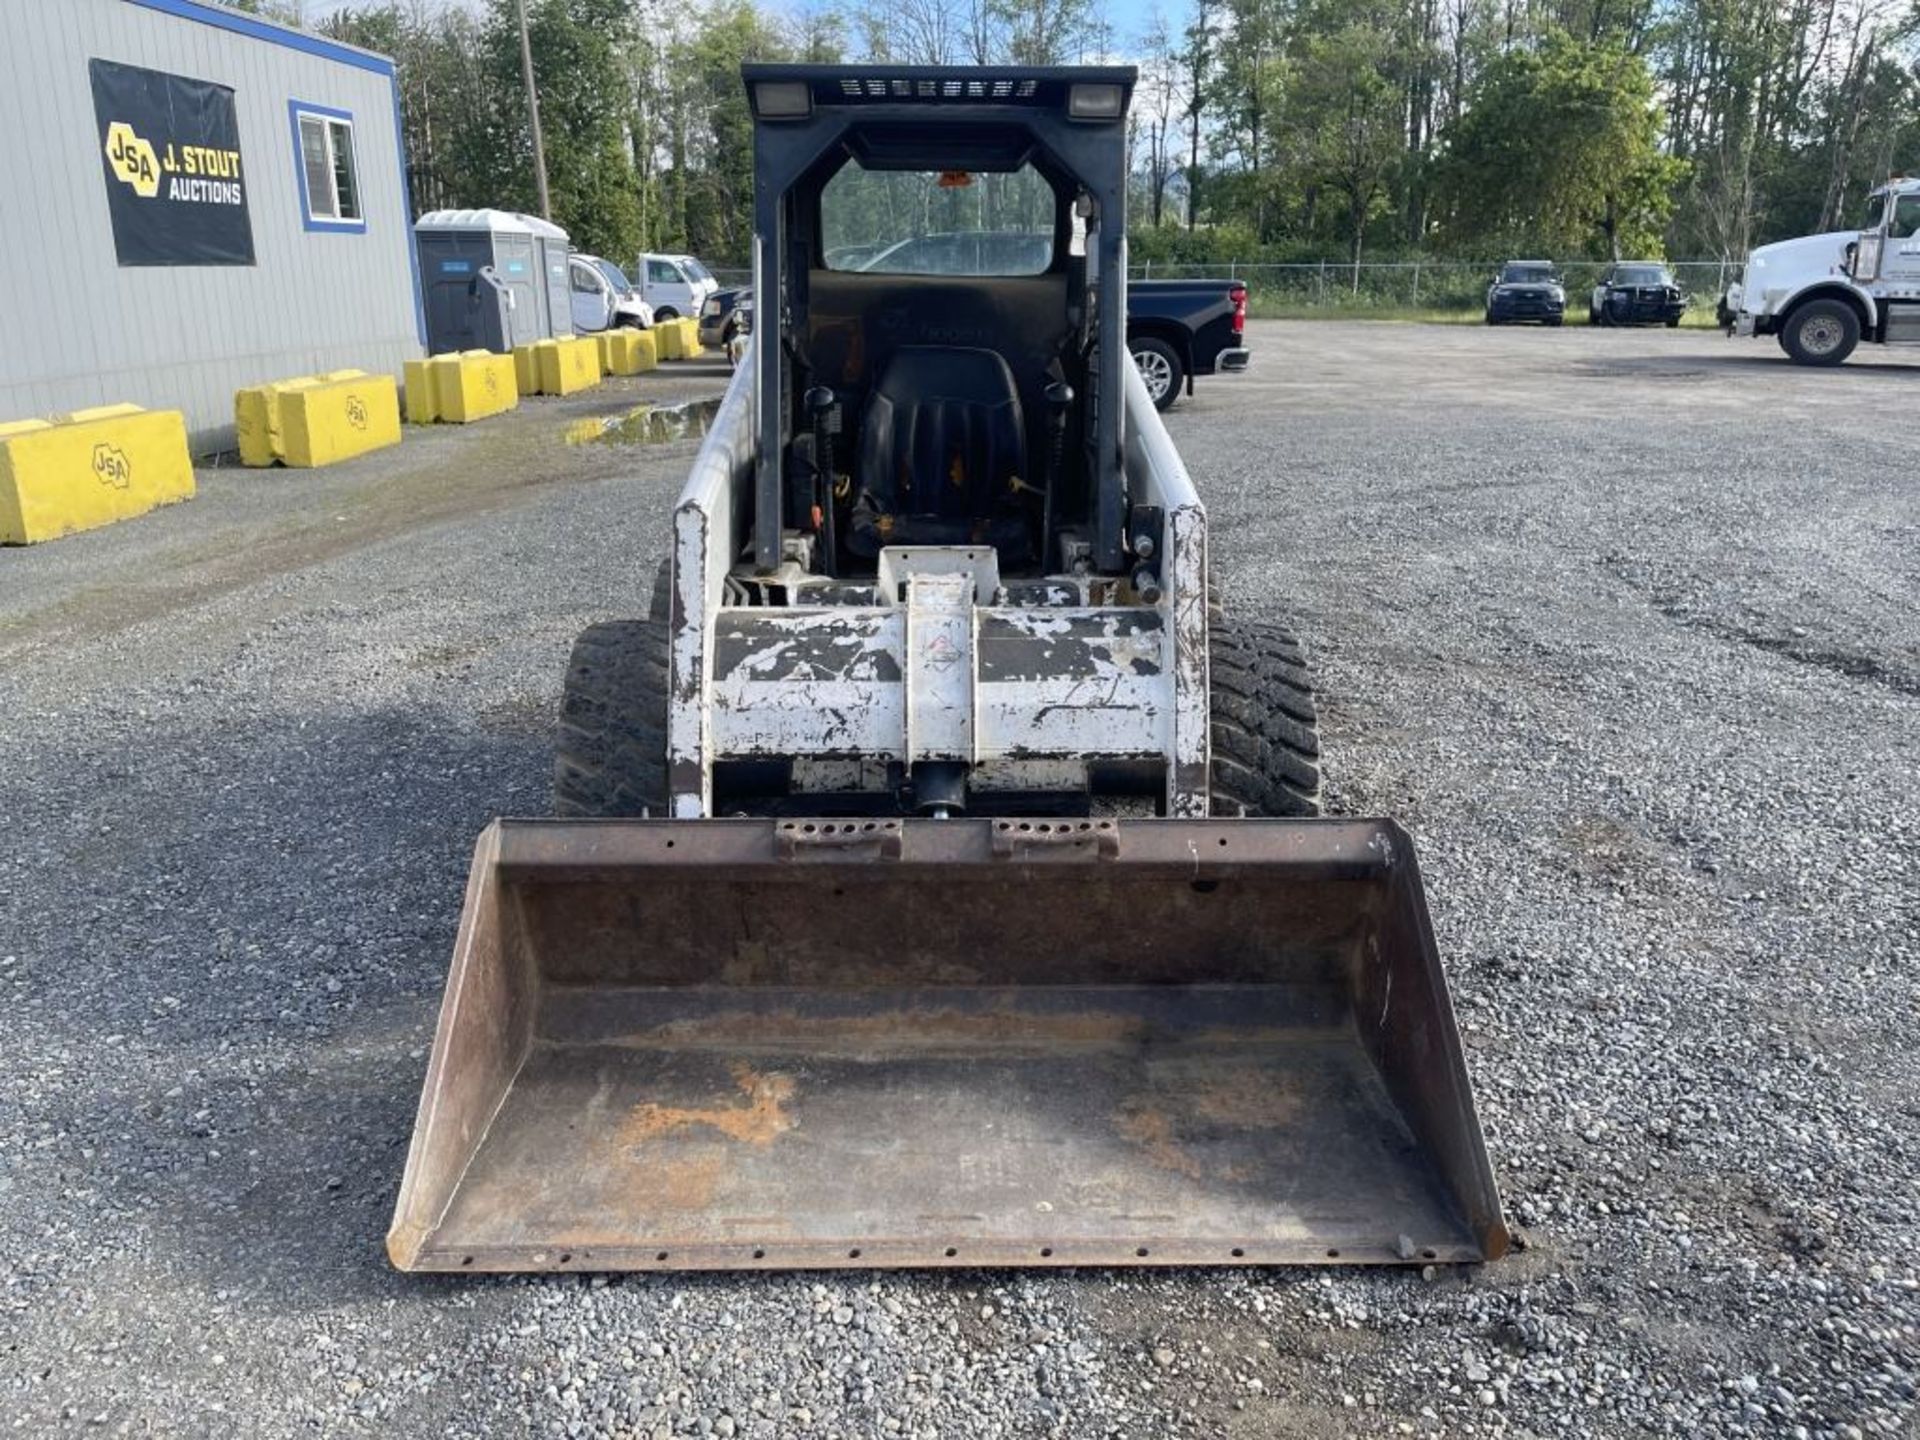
x,y
1821,332
1160,367
669,313
611,754
1265,730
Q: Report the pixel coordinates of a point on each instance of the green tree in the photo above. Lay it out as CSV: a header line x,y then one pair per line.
x,y
1347,114
1558,149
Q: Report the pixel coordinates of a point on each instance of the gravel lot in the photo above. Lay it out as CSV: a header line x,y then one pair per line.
x,y
1621,624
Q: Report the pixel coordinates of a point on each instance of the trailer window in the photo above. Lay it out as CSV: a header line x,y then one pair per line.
x,y
932,222
329,171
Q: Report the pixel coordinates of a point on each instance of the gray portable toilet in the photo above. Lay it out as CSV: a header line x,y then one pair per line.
x,y
555,252
489,279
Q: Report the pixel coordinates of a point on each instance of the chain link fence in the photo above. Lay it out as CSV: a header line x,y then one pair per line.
x,y
1335,285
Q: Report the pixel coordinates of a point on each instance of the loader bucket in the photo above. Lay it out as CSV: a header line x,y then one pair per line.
x,y
773,1044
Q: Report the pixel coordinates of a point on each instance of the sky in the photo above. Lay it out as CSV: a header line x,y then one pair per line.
x,y
1128,17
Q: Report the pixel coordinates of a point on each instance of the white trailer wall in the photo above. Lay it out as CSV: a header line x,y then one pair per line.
x,y
78,329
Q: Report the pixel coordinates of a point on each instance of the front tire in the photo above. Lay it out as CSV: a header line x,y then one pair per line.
x,y
1265,728
1160,367
1821,332
610,757
667,314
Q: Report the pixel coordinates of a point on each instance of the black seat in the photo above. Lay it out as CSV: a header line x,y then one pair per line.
x,y
943,454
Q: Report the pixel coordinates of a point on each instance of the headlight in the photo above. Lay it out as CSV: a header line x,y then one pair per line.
x,y
1557,292
712,307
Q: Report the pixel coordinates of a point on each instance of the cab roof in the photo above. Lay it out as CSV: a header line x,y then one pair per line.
x,y
852,87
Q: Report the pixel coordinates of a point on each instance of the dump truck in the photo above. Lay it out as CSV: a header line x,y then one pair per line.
x,y
937,877
1819,296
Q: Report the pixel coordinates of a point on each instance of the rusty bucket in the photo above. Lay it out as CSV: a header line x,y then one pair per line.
x,y
771,1044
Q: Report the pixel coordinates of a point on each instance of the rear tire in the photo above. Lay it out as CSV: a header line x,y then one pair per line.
x,y
611,754
1821,332
1160,367
1265,729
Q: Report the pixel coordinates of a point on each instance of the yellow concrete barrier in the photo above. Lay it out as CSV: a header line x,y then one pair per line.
x,y
626,352
526,370
567,365
317,419
646,349
89,468
678,339
460,388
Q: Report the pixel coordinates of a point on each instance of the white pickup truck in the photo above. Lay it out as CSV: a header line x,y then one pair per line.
x,y
1821,295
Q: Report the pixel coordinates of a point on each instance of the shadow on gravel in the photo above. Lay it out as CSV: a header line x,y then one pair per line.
x,y
228,971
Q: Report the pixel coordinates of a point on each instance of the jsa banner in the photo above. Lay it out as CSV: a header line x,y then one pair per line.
x,y
170,147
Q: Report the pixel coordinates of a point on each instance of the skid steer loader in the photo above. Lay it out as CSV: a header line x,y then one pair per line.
x,y
913,904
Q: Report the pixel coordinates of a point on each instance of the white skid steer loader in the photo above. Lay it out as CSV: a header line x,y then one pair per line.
x,y
940,882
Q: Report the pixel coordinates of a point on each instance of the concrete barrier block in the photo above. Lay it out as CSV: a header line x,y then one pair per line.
x,y
568,365
646,351
526,367
626,352
678,339
475,386
423,401
256,419
343,416
89,468
458,389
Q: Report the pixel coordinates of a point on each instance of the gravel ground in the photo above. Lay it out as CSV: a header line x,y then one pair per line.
x,y
1621,624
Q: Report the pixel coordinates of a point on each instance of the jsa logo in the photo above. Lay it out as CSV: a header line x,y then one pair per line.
x,y
111,466
133,160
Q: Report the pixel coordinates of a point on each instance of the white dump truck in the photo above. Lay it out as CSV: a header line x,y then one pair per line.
x,y
1821,295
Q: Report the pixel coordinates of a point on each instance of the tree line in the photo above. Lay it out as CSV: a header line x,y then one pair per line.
x,y
1262,129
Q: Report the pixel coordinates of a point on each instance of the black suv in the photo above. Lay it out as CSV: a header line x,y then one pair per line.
x,y
1527,290
1636,292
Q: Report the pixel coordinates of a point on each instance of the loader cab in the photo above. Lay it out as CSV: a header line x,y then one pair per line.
x,y
941,277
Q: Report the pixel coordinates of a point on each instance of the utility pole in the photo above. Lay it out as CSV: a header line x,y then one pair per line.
x,y
533,111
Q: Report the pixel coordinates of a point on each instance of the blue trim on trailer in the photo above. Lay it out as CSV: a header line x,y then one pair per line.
x,y
239,24
319,224
406,210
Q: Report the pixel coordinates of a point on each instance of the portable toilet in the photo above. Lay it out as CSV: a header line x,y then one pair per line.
x,y
489,279
555,253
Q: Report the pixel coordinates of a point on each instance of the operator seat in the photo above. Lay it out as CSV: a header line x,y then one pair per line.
x,y
943,455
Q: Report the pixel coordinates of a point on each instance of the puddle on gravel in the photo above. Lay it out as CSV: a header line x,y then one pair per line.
x,y
648,424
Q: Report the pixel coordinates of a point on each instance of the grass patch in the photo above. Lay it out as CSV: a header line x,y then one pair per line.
x,y
1697,317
